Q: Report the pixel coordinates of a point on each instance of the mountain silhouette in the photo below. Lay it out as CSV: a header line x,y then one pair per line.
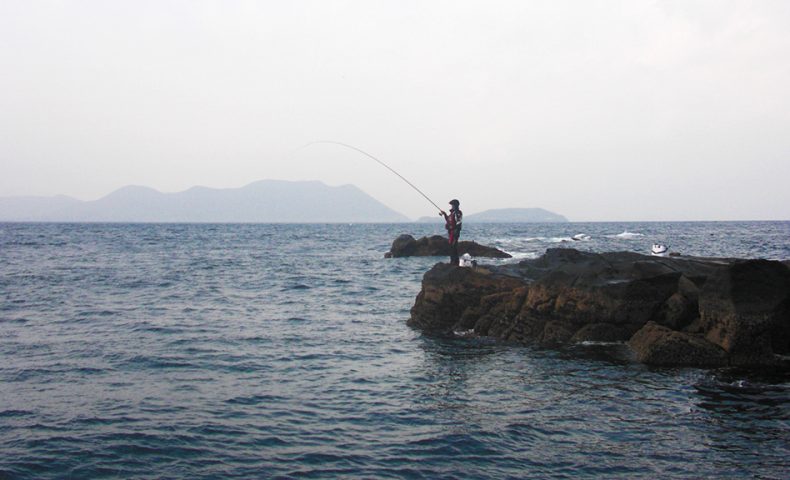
x,y
507,215
265,201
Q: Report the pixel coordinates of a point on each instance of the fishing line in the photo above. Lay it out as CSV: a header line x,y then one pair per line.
x,y
375,159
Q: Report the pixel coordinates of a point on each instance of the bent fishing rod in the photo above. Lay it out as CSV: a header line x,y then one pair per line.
x,y
377,161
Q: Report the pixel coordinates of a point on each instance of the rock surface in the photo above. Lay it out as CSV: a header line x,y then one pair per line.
x,y
437,246
671,310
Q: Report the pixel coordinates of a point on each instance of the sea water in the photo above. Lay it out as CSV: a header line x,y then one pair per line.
x,y
282,351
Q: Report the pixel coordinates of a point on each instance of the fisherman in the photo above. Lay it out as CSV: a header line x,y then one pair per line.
x,y
453,225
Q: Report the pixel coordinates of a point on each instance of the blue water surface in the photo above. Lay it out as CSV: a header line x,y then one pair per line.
x,y
281,351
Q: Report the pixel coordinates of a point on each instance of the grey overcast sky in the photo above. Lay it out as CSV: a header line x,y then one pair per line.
x,y
598,110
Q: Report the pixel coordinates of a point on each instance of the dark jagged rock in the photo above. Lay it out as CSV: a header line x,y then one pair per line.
x,y
437,246
658,345
670,310
746,310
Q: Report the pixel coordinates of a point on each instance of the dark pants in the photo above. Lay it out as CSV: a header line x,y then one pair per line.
x,y
454,246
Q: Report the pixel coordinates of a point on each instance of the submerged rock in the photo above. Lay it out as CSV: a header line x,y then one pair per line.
x,y
437,246
670,310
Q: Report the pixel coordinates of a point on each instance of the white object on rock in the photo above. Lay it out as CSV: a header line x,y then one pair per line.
x,y
659,249
466,260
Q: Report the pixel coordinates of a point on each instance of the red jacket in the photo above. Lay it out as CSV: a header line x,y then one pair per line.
x,y
453,223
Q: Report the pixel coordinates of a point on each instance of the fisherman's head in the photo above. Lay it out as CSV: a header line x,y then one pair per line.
x,y
455,203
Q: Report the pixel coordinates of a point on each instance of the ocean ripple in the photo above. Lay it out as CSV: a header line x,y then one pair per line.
x,y
281,351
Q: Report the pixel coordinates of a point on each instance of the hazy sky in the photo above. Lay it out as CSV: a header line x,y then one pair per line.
x,y
598,110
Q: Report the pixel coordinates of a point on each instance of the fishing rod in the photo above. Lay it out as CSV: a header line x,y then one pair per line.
x,y
378,161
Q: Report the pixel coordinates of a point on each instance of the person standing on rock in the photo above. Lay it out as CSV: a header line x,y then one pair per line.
x,y
453,225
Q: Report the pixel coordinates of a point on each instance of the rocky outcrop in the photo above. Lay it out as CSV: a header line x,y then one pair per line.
x,y
658,345
670,310
437,246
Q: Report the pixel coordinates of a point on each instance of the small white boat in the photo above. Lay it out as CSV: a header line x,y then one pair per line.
x,y
659,249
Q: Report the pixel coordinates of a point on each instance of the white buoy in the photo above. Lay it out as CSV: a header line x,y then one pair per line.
x,y
659,249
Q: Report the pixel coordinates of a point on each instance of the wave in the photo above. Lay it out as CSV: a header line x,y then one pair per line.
x,y
627,234
583,237
524,255
542,239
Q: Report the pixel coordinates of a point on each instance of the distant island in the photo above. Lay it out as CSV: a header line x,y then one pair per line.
x,y
507,215
265,201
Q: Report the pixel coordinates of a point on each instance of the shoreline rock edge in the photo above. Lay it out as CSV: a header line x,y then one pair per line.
x,y
671,311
